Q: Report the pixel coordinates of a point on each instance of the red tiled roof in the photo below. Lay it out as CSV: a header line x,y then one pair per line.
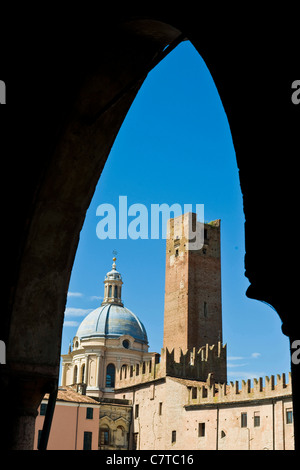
x,y
68,394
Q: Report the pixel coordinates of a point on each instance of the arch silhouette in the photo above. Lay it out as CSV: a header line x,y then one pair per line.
x,y
78,104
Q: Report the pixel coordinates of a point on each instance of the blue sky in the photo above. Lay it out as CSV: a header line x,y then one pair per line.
x,y
175,146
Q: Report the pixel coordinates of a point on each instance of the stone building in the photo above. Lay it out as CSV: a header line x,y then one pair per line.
x,y
110,340
179,399
173,412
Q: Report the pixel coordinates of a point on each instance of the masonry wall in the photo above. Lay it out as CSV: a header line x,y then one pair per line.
x,y
148,416
170,419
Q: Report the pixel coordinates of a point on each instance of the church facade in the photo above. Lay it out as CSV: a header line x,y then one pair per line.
x,y
179,399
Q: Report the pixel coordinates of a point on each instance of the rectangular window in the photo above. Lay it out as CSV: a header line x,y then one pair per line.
x,y
256,419
194,393
89,413
43,409
289,416
87,440
201,429
135,441
173,437
136,415
243,420
104,437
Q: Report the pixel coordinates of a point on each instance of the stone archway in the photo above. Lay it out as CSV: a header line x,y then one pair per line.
x,y
88,83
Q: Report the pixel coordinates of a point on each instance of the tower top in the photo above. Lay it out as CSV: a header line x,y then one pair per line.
x,y
113,286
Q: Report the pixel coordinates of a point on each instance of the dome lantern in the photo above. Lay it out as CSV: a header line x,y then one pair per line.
x,y
113,287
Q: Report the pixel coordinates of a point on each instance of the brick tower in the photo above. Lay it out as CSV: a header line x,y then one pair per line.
x,y
193,308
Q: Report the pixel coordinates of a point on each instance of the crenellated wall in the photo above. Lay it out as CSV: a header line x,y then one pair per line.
x,y
212,392
195,365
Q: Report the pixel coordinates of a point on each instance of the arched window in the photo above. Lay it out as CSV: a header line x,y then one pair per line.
x,y
123,374
109,291
110,376
75,375
116,291
104,434
82,373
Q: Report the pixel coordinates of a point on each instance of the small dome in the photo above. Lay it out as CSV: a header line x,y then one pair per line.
x,y
113,274
112,321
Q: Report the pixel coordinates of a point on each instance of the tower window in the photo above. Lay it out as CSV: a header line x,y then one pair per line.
x,y
201,429
109,291
256,419
289,416
116,291
243,420
173,437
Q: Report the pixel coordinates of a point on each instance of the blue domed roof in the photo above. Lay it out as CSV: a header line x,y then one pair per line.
x,y
112,321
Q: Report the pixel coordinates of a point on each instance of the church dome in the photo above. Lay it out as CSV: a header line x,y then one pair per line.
x,y
112,319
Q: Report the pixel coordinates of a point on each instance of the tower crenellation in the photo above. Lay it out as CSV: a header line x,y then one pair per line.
x,y
195,365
